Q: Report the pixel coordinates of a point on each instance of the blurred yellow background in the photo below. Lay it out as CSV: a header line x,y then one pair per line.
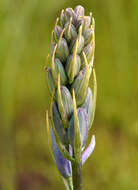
x,y
25,34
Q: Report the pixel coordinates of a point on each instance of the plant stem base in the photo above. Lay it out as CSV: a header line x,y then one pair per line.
x,y
77,176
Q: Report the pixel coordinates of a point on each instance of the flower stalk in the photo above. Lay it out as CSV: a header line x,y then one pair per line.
x,y
72,100
77,176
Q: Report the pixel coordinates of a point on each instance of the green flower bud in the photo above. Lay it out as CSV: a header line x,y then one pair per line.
x,y
88,36
50,79
69,64
62,18
57,32
70,31
60,69
80,40
77,142
67,101
83,127
79,23
78,83
80,45
62,50
88,50
86,23
58,124
88,105
81,82
52,49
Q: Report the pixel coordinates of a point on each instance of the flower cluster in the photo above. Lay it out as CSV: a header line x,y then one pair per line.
x,y
73,102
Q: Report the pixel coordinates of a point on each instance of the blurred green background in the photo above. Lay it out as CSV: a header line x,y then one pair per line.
x,y
25,33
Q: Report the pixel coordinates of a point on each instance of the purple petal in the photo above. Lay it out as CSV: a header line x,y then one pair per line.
x,y
70,150
88,151
63,165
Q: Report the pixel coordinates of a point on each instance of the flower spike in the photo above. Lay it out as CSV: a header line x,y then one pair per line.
x,y
73,102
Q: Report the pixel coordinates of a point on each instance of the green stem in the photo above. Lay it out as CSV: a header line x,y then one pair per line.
x,y
68,183
76,176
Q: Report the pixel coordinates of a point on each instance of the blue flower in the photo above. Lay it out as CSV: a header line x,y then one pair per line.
x,y
63,165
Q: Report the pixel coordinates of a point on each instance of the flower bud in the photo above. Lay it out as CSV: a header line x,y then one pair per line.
x,y
60,69
88,50
80,86
88,36
83,125
79,10
57,32
80,45
79,22
69,13
52,48
69,64
62,18
63,165
86,23
58,124
70,32
50,79
66,101
88,106
62,50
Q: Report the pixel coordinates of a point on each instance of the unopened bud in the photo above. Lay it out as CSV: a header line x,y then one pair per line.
x,y
69,64
70,32
66,101
69,13
86,22
88,50
62,18
57,32
60,69
50,79
88,36
83,126
62,50
79,10
80,45
80,86
88,105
